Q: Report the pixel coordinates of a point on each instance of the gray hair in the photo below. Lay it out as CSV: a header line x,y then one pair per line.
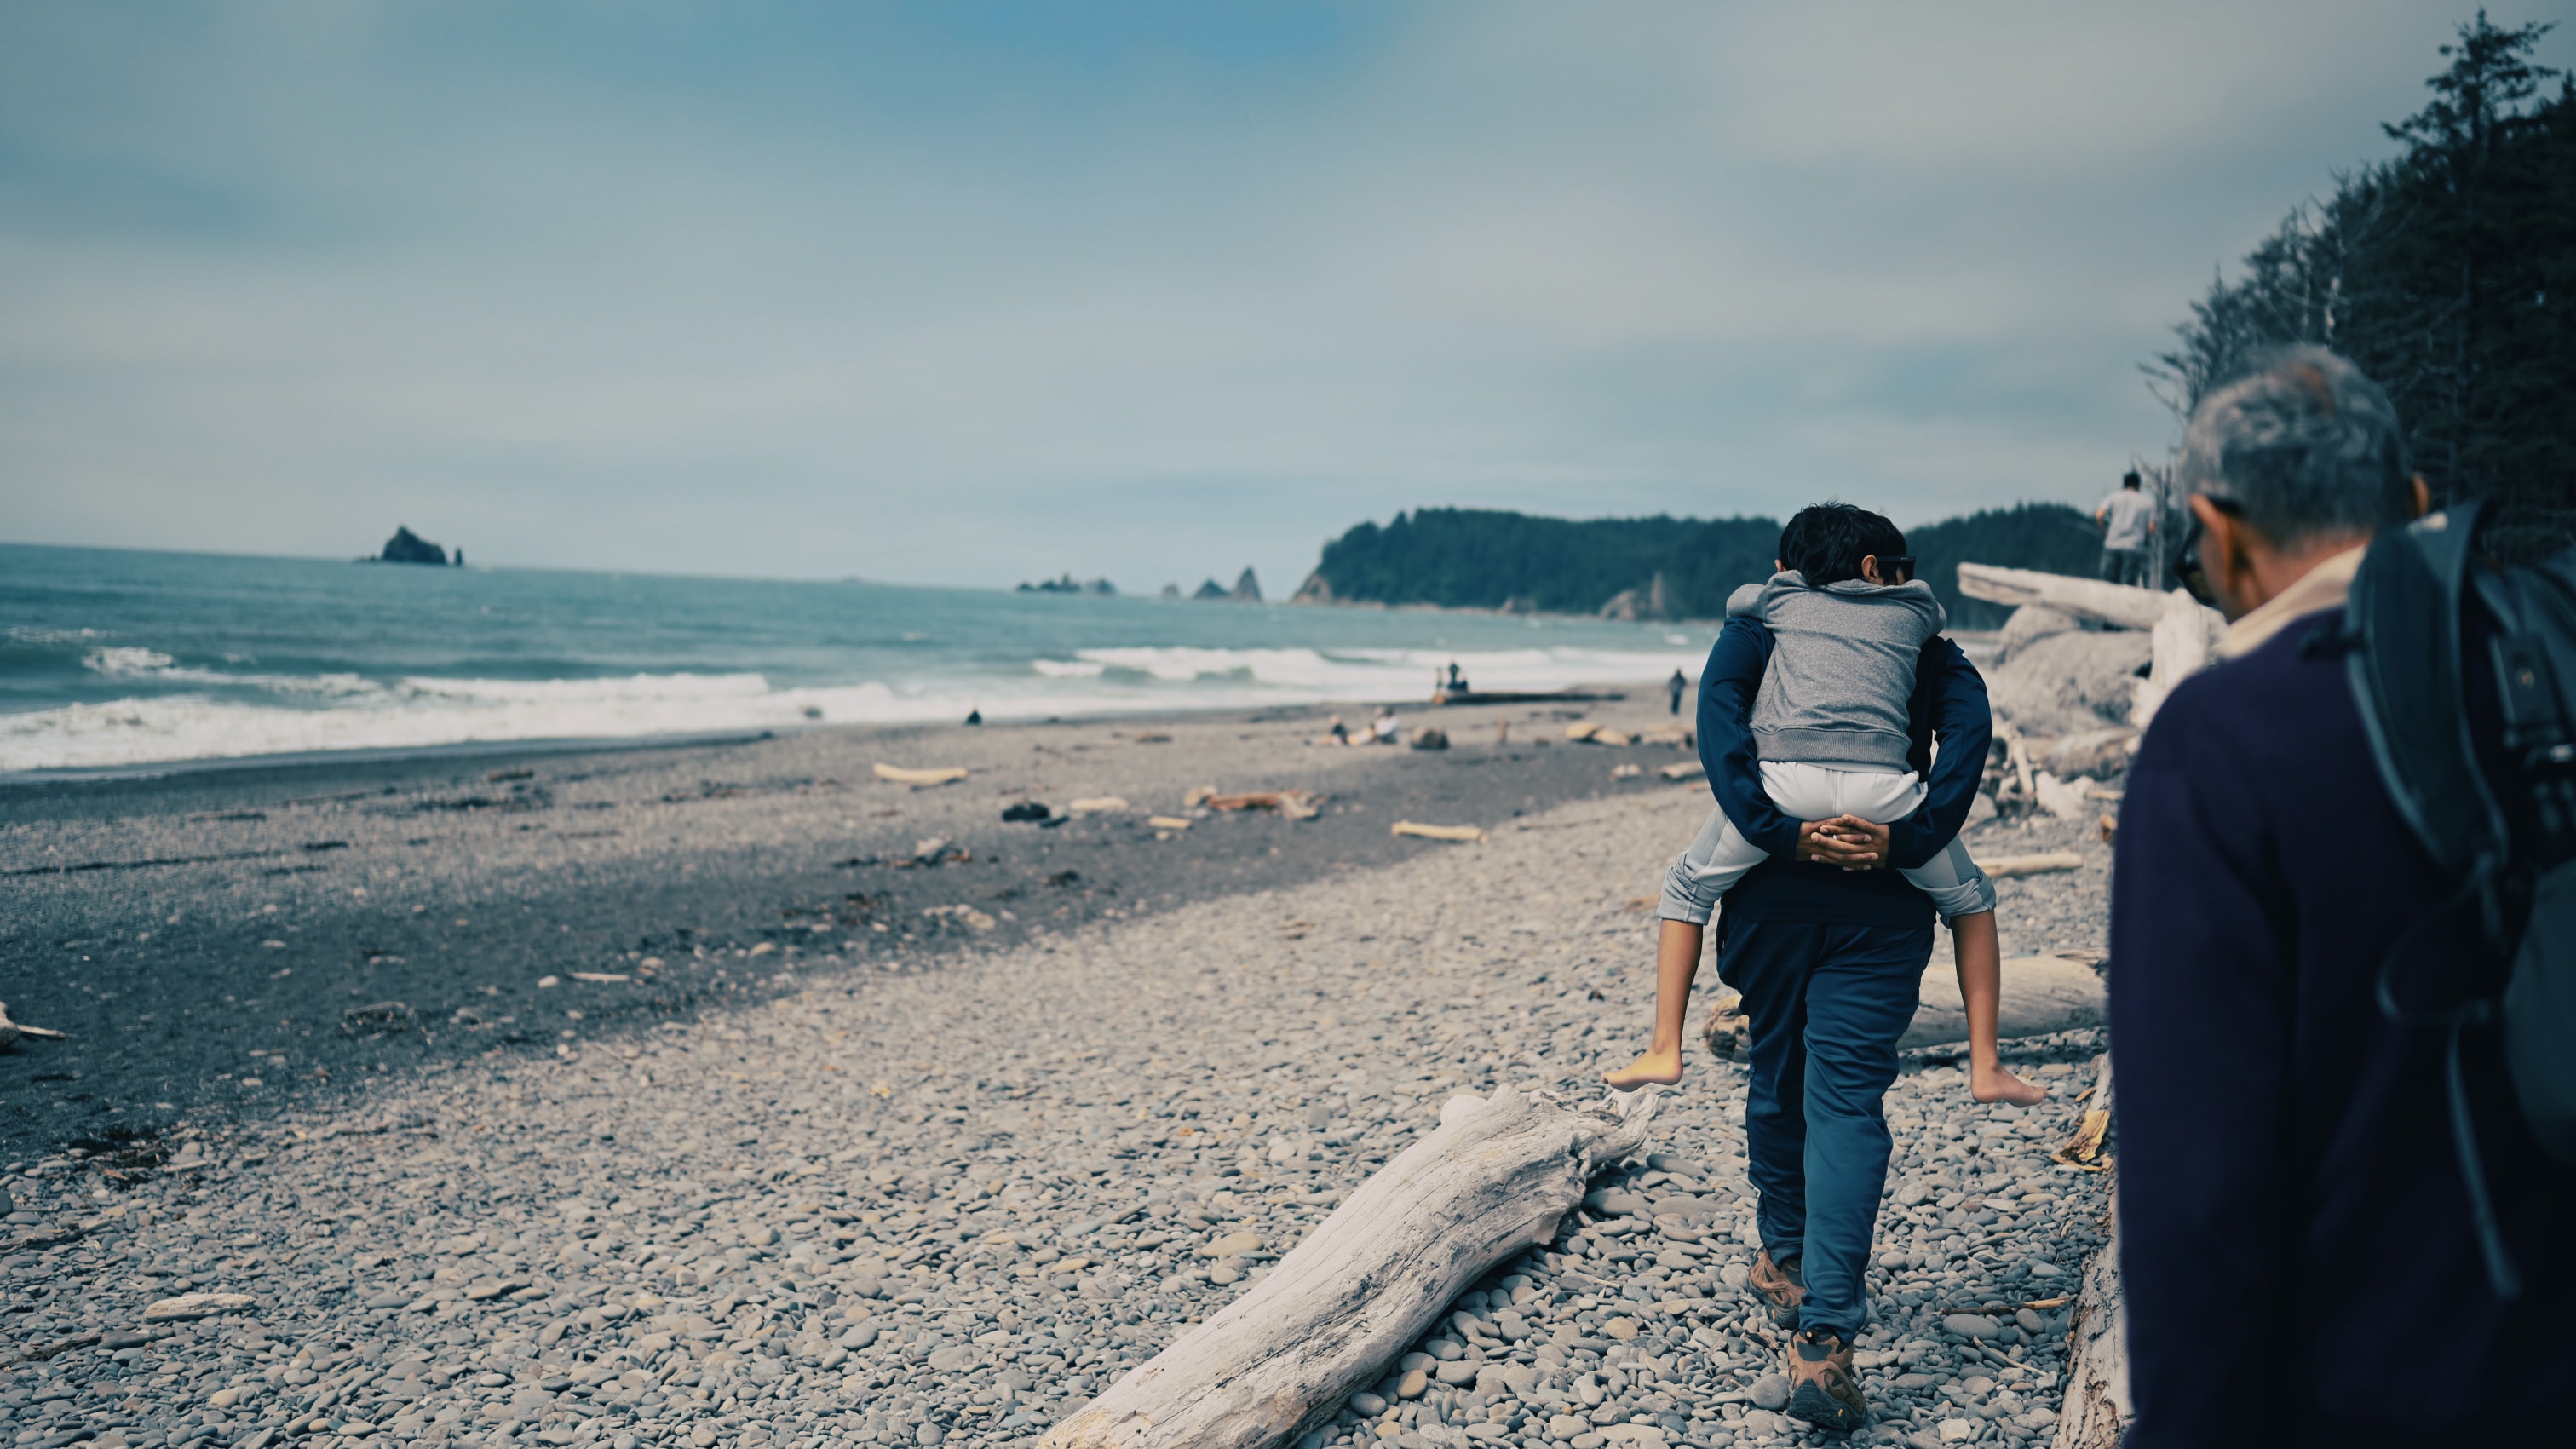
x,y
2305,445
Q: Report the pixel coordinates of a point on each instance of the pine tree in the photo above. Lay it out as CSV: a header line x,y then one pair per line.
x,y
2445,274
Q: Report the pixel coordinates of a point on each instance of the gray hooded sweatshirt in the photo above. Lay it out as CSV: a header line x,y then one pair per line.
x,y
1842,668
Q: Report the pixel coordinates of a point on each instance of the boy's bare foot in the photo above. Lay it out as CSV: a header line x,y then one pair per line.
x,y
1997,1084
1660,1068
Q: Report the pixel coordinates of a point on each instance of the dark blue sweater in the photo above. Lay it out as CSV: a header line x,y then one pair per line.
x,y
2296,1241
1949,702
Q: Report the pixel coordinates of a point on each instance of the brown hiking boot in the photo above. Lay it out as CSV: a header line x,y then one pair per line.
x,y
1781,1288
1822,1389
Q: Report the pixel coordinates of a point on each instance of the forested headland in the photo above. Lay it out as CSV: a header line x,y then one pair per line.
x,y
1652,568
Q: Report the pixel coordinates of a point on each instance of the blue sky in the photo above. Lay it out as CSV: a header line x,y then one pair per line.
x,y
969,293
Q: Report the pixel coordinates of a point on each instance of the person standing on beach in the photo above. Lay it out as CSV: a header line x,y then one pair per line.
x,y
1829,952
2128,523
1677,686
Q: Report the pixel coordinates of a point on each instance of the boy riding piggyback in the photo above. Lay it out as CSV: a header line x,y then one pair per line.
x,y
1848,623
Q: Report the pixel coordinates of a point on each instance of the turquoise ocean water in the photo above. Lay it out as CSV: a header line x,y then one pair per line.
x,y
114,659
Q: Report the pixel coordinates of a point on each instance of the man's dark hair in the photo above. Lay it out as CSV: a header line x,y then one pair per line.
x,y
2129,479
1825,542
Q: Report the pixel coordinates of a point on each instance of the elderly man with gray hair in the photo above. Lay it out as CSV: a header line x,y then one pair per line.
x,y
2297,1243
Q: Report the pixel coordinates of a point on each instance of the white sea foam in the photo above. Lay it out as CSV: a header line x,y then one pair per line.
x,y
126,659
328,712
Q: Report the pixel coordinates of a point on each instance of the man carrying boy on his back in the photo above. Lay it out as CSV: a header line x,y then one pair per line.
x,y
1829,953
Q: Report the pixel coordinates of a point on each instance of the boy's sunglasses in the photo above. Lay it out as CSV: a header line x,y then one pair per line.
x,y
2186,565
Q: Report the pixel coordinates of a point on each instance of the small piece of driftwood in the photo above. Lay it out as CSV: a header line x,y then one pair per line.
x,y
1497,1177
1295,804
1464,834
2011,865
10,1031
919,779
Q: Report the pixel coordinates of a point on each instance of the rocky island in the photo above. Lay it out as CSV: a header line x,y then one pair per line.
x,y
407,547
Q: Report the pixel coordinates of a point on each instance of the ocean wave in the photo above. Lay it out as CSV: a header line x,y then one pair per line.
x,y
179,727
32,637
1375,674
126,659
655,688
208,717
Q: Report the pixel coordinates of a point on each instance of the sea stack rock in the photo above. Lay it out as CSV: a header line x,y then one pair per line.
x,y
1210,589
410,548
1247,589
1316,590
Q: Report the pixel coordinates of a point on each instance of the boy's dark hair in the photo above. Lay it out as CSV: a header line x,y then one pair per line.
x,y
1825,542
2129,479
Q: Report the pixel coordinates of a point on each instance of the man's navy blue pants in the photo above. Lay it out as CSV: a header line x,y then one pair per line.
x,y
1827,1005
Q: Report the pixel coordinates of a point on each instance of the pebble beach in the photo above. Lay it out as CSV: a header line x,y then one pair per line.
x,y
892,1200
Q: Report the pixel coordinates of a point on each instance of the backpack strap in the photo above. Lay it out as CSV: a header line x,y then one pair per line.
x,y
2405,670
2403,619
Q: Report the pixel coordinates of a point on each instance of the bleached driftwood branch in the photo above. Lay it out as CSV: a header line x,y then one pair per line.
x,y
2186,633
2096,1411
10,1031
1496,1177
2120,604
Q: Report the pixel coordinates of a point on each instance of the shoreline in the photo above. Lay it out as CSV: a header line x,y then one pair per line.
x,y
393,757
176,922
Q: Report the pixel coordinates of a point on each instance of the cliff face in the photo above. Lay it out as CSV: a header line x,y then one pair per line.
x,y
408,547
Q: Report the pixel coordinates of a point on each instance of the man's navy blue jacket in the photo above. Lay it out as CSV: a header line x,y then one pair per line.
x,y
1949,700
2296,1242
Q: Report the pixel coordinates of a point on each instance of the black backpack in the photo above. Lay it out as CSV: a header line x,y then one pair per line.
x,y
2404,628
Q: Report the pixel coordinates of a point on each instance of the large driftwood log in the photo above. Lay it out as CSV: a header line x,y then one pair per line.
x,y
2120,604
2096,1410
1496,1177
2186,634
2041,994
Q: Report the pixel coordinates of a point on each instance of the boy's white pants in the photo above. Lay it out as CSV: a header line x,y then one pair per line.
x,y
1720,855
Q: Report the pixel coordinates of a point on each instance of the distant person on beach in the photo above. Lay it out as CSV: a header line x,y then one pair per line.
x,y
2128,523
975,714
1336,733
1677,686
1827,949
2300,1251
1457,680
1383,730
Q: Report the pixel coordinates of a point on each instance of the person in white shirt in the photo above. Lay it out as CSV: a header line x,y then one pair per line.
x,y
2128,521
